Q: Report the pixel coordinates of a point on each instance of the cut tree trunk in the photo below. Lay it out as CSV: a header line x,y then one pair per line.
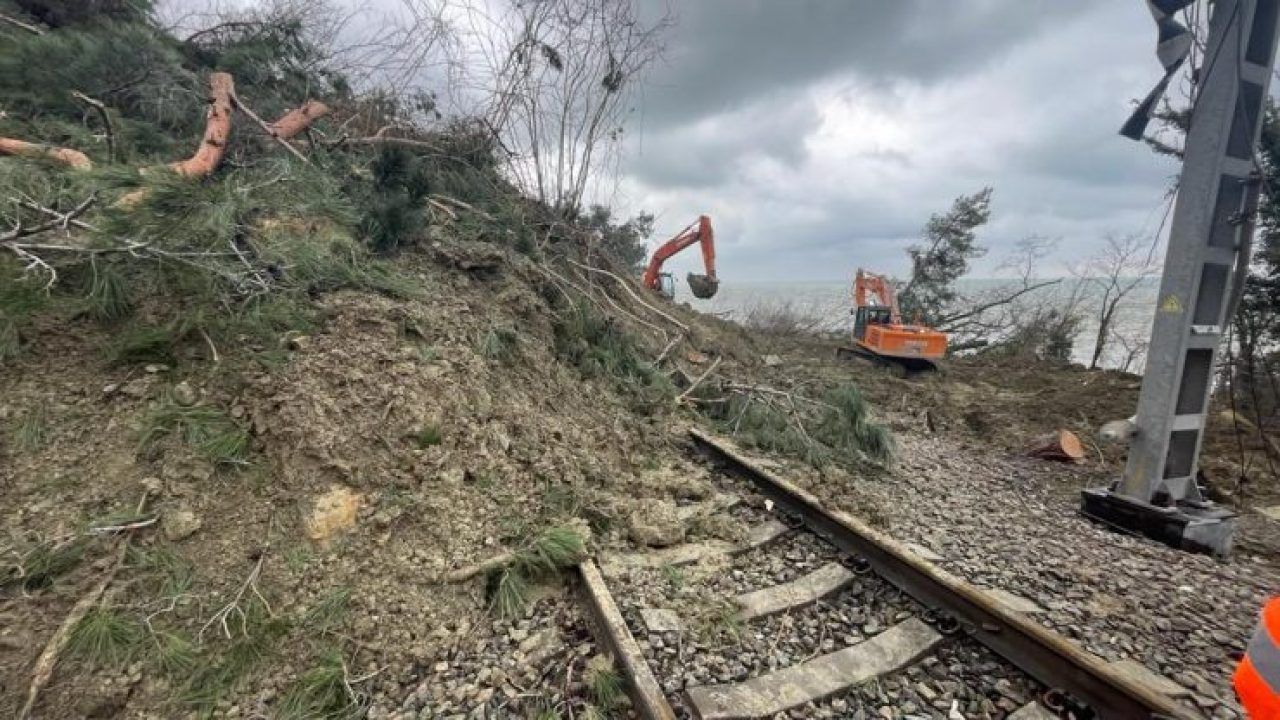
x,y
1060,446
217,130
66,156
299,119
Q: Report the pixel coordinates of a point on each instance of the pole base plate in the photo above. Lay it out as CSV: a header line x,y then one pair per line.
x,y
1199,527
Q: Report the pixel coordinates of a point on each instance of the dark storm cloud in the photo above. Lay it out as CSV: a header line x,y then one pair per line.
x,y
705,151
822,135
726,53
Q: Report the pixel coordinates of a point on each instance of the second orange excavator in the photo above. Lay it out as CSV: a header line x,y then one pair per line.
x,y
702,286
879,333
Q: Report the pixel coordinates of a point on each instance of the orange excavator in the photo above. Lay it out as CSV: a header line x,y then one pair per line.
x,y
702,286
879,334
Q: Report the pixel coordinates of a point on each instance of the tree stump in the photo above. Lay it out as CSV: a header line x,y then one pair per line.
x,y
1059,446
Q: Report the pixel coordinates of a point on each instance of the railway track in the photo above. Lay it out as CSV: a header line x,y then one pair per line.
x,y
810,613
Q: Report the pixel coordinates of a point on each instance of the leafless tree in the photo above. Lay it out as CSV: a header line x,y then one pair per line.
x,y
559,77
1114,273
1134,347
988,316
408,48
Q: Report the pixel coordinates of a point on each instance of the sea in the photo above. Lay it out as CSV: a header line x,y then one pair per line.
x,y
826,307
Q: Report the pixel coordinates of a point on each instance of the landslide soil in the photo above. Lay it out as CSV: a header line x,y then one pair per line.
x,y
433,449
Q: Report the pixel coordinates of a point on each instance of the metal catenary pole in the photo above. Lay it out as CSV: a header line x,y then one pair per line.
x,y
1207,250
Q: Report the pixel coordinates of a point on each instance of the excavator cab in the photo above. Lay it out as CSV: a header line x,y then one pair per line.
x,y
667,286
870,315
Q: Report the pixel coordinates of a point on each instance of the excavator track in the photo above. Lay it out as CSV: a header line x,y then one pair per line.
x,y
908,367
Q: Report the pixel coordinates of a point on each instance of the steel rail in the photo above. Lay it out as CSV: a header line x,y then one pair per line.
x,y
1041,653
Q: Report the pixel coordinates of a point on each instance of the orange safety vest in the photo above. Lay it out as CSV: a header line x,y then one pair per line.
x,y
1257,679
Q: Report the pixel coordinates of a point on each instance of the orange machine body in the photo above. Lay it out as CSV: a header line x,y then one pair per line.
x,y
878,326
703,286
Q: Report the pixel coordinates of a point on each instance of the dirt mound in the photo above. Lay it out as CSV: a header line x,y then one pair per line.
x,y
395,441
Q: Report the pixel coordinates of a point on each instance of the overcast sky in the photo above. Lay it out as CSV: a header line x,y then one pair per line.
x,y
820,135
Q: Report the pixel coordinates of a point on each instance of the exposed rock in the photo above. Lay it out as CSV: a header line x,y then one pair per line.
x,y
333,512
655,523
180,524
184,394
137,388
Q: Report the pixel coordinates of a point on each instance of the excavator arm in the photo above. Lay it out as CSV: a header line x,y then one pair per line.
x,y
868,283
703,286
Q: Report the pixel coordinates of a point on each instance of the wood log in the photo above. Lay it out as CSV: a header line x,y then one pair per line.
x,y
1060,446
66,156
217,129
298,119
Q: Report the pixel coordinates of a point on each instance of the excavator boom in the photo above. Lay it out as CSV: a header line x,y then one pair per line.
x,y
703,286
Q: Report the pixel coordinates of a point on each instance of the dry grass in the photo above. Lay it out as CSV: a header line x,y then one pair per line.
x,y
786,318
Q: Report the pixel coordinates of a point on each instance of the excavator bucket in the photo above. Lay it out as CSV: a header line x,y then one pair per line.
x,y
702,286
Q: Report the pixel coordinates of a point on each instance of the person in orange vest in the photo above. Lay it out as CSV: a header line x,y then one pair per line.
x,y
1257,678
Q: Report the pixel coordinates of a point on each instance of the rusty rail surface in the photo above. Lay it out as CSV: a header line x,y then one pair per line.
x,y
1037,651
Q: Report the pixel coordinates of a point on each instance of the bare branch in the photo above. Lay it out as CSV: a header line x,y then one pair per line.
x,y
9,20
107,127
267,128
950,322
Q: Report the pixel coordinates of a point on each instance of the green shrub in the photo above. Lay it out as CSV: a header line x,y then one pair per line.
x,y
845,424
221,667
107,297
20,299
145,343
329,612
429,436
175,654
207,430
599,348
554,549
105,638
320,694
40,565
603,682
30,432
500,344
837,428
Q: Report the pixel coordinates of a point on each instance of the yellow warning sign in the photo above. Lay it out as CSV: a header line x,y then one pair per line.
x,y
1171,304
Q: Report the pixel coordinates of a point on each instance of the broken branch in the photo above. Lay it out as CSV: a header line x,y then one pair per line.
x,y
494,563
60,220
233,608
269,129
299,119
633,295
66,156
21,25
49,656
213,145
694,385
